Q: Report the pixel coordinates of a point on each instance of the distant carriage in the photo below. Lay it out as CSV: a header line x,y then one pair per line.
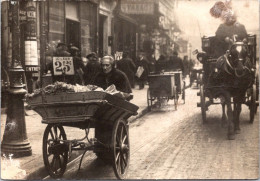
x,y
231,77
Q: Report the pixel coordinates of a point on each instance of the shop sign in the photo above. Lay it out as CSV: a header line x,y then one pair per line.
x,y
31,54
137,7
31,23
32,69
63,65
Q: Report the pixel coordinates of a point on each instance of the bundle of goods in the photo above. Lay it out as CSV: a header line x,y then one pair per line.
x,y
59,87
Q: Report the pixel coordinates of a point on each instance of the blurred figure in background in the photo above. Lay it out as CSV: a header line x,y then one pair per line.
x,y
175,62
92,68
142,70
78,65
127,66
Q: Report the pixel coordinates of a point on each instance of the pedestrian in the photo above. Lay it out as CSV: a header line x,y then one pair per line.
x,y
161,64
175,62
110,75
92,68
127,66
152,63
78,65
142,70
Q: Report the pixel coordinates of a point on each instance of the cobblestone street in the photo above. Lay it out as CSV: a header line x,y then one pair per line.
x,y
168,144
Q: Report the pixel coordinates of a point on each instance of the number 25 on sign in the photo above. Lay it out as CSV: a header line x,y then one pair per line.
x,y
63,64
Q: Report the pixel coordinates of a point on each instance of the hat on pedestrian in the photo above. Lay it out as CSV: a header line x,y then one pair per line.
x,y
92,54
61,44
74,48
175,53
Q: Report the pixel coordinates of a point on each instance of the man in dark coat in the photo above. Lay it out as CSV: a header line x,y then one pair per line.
x,y
78,65
93,67
142,62
127,66
175,62
110,75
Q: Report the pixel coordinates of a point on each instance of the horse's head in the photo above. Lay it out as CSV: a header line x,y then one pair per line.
x,y
238,58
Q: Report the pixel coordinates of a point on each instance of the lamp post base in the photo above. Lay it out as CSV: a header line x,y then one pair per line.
x,y
15,140
17,148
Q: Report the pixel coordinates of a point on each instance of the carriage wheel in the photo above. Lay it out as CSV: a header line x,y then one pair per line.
x,y
203,104
120,149
149,100
55,153
252,106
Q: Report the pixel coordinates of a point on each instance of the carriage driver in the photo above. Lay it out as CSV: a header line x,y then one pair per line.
x,y
229,29
110,75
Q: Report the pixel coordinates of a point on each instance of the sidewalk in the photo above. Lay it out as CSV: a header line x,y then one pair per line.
x,y
32,167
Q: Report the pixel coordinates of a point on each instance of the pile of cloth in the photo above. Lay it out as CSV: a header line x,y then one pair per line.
x,y
58,87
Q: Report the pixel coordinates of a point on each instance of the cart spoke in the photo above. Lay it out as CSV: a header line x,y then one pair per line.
x,y
55,132
59,161
52,161
124,139
117,156
121,134
121,165
124,159
117,148
52,136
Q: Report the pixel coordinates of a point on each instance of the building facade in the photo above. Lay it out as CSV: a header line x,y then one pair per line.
x,y
108,27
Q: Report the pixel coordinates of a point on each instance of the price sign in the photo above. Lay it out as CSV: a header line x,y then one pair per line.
x,y
63,64
118,55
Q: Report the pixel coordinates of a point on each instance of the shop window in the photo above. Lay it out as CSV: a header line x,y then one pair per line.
x,y
56,21
88,29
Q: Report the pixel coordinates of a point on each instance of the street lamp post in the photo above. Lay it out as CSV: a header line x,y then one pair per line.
x,y
15,140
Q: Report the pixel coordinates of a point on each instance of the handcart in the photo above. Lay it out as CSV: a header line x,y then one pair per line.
x,y
165,86
106,113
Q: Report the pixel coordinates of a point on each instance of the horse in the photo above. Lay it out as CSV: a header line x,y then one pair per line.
x,y
232,76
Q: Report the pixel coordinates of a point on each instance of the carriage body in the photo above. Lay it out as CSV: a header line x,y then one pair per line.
x,y
166,85
106,113
208,91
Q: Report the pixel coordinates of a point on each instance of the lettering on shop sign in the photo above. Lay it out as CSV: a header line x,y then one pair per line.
x,y
137,7
32,69
63,65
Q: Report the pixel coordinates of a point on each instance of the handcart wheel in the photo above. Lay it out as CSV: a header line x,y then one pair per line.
x,y
253,104
203,104
183,92
55,153
149,100
175,97
120,148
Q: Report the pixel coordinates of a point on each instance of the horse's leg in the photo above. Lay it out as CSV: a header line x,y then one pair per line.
x,y
224,116
237,111
231,133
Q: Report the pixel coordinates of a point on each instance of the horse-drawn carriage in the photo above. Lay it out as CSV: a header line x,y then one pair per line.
x,y
231,78
106,113
165,86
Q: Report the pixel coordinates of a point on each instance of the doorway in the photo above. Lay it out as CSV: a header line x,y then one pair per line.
x,y
72,33
101,35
